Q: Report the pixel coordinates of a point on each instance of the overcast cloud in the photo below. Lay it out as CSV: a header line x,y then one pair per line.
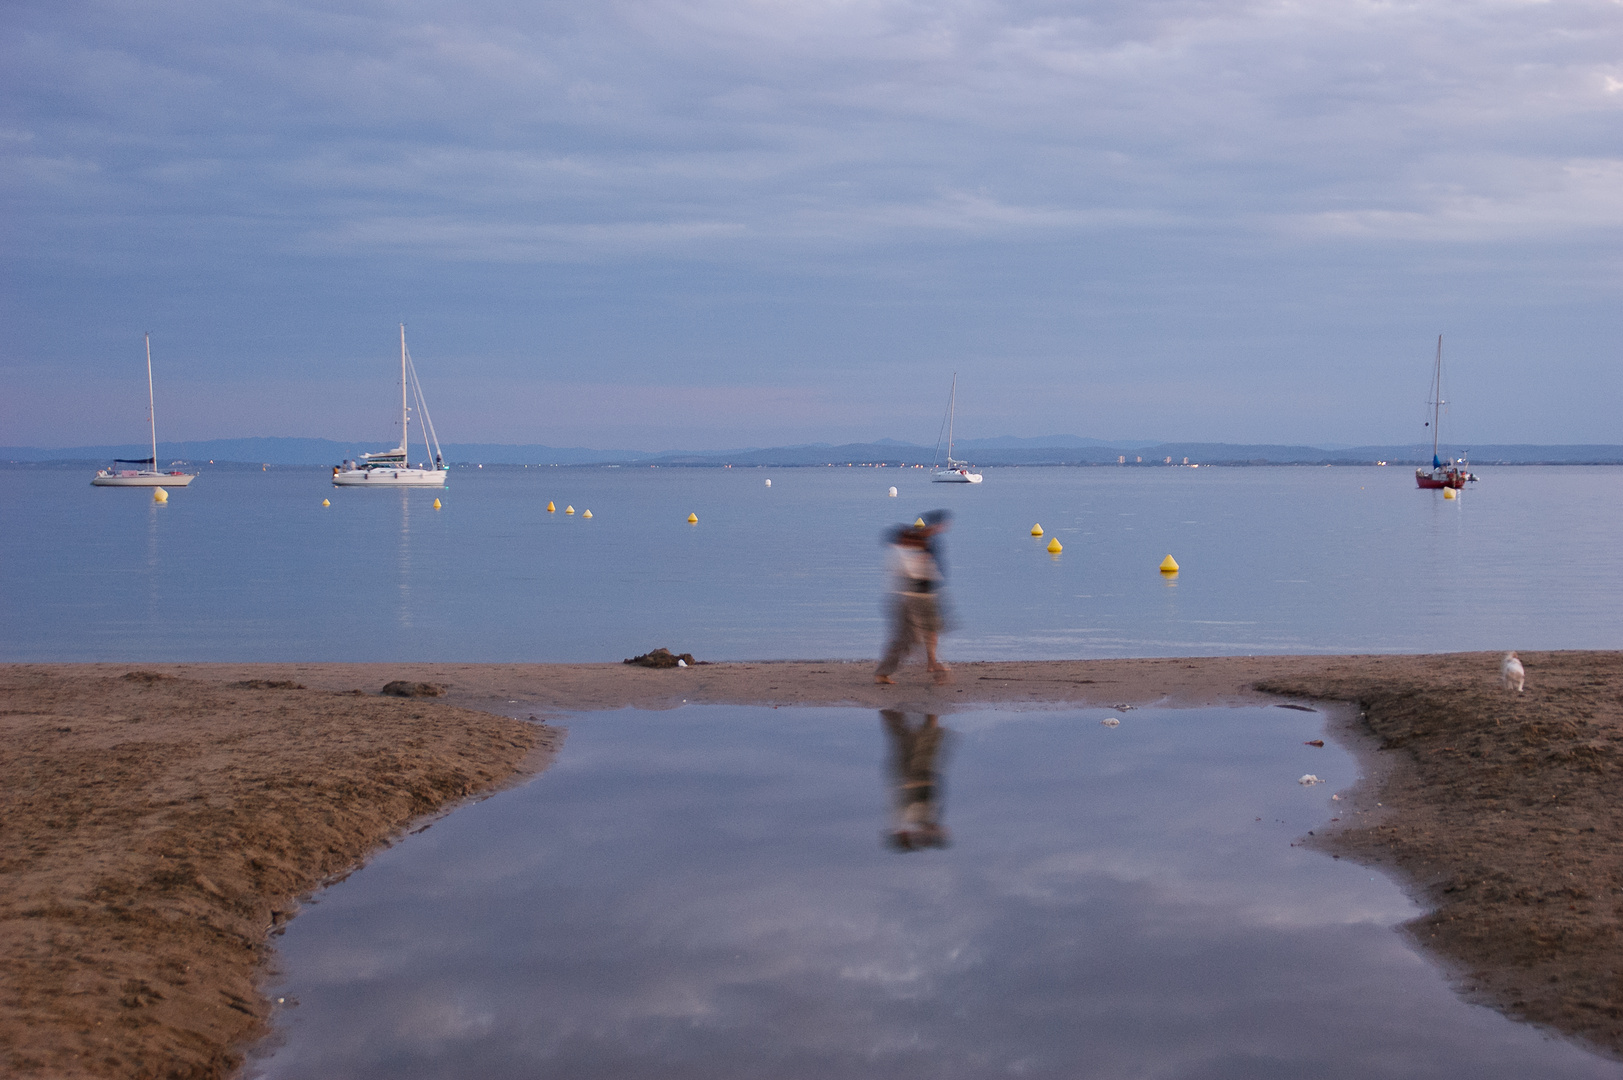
x,y
710,223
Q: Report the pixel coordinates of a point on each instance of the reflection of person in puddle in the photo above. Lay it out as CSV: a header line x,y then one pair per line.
x,y
916,761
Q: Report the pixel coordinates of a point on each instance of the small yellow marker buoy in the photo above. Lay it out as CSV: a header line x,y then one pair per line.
x,y
919,523
326,502
436,504
693,519
1054,545
160,495
1169,565
1036,530
1448,493
587,514
569,509
550,508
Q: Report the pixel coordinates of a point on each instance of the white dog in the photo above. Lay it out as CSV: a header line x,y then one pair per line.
x,y
1511,672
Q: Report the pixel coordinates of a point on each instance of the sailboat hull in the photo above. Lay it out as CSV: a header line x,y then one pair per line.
x,y
1437,479
382,478
956,476
142,479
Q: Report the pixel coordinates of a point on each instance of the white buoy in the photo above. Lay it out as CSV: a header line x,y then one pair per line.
x,y
769,483
893,493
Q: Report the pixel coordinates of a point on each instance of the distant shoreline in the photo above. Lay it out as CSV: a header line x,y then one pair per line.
x,y
255,466
995,453
165,818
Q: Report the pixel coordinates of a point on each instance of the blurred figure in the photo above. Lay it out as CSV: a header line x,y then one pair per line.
x,y
916,581
916,761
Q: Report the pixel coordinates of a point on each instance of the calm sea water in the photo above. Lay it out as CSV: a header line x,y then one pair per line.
x,y
251,566
705,892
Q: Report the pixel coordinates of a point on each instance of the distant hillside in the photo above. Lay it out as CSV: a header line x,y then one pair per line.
x,y
1140,454
1051,450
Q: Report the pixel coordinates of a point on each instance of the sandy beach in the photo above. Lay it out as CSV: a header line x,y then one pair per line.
x,y
162,821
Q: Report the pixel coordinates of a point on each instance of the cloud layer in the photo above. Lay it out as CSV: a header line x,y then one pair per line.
x,y
1256,214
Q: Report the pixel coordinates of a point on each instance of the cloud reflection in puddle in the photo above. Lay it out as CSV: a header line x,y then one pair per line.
x,y
710,892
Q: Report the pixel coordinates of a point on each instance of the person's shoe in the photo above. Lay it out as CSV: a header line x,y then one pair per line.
x,y
884,680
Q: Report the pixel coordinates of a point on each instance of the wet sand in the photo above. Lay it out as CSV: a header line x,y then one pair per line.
x,y
158,829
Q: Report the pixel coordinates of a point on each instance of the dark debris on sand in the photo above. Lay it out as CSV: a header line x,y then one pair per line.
x,y
406,688
664,658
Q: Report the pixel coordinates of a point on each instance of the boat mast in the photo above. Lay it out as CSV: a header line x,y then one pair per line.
x,y
152,415
405,429
952,410
1436,401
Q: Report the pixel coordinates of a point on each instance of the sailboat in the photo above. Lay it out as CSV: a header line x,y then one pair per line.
x,y
1442,474
956,472
392,468
148,475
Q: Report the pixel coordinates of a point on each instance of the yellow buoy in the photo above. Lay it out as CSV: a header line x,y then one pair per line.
x,y
1448,493
919,523
587,514
160,495
326,502
550,508
569,509
1036,530
1169,565
1054,545
693,519
436,504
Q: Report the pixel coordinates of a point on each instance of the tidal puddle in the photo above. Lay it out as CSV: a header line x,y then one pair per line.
x,y
803,893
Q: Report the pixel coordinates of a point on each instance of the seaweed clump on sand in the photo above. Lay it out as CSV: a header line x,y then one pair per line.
x,y
664,658
406,688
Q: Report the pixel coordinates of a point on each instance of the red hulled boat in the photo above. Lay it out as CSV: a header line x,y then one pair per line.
x,y
1442,474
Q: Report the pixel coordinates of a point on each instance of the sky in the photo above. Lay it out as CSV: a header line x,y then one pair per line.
x,y
659,224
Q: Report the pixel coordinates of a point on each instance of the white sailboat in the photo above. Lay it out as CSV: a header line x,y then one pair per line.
x,y
393,468
148,475
956,472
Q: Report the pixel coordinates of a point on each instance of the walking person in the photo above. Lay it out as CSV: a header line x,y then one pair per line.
x,y
916,583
